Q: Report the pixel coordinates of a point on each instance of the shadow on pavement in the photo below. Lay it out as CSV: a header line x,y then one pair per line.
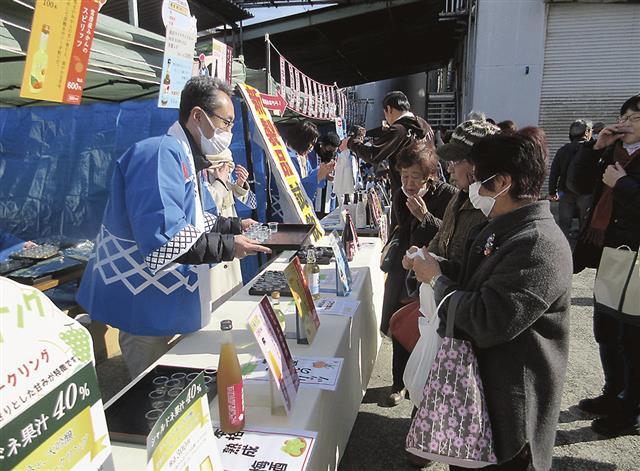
x,y
583,301
566,462
573,414
580,435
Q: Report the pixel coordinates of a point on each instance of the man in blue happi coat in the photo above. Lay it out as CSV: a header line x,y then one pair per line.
x,y
149,273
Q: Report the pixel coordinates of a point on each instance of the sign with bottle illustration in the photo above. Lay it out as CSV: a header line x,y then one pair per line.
x,y
295,203
307,313
51,412
316,372
59,47
182,437
258,448
343,272
179,47
270,338
218,64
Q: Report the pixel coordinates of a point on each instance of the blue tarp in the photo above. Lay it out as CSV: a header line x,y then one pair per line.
x,y
56,164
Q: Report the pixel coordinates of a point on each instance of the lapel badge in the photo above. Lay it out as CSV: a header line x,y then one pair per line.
x,y
489,245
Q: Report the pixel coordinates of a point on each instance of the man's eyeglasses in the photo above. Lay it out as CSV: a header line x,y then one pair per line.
x,y
227,122
632,118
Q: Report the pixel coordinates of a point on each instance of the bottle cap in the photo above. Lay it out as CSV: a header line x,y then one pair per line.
x,y
275,295
226,324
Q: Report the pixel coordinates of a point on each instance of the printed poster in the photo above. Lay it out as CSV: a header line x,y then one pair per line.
x,y
182,437
337,307
179,47
51,412
317,372
266,330
59,47
265,449
292,194
302,296
343,272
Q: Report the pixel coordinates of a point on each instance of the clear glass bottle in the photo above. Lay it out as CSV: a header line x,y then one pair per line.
x,y
230,388
275,302
312,273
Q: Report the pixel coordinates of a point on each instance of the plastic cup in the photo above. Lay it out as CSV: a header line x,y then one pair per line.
x,y
157,395
191,377
152,417
182,377
159,381
210,372
162,405
173,383
173,393
273,227
208,381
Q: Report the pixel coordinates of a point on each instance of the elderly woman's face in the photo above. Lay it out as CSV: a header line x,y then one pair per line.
x,y
632,120
413,179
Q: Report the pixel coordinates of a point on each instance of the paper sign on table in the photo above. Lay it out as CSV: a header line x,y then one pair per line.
x,y
343,272
337,306
302,296
328,280
182,438
266,329
317,372
265,449
51,413
59,47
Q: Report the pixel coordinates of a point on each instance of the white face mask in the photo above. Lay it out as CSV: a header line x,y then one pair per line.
x,y
421,192
220,141
483,203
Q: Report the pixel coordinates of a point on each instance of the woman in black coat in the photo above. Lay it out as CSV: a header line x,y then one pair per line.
x,y
514,296
416,215
610,167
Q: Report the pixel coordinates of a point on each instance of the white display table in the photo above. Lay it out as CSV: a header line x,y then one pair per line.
x,y
329,413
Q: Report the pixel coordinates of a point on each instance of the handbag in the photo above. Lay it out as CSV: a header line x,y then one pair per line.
x,y
403,325
390,251
419,364
452,423
617,286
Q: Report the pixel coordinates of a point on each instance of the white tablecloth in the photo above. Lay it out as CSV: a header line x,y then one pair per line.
x,y
330,413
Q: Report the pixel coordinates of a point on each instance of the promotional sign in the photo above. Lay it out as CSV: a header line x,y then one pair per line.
x,y
274,103
51,413
337,307
320,373
59,47
293,197
221,60
343,272
177,62
265,449
268,334
302,296
182,437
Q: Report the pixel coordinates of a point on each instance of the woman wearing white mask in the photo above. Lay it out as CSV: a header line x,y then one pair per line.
x,y
416,214
514,295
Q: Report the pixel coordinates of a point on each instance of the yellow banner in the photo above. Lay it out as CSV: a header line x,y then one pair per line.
x,y
59,47
67,447
281,161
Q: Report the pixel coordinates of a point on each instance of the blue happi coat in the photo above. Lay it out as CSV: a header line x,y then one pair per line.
x,y
154,215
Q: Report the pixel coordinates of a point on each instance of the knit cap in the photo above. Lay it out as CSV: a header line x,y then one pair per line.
x,y
464,137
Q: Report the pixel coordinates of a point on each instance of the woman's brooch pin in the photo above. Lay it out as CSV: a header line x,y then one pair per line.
x,y
489,245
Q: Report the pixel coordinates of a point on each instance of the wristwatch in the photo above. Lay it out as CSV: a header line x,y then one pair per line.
x,y
432,281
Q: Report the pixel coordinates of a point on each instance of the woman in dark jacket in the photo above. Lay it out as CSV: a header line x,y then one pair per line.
x,y
416,215
611,168
514,295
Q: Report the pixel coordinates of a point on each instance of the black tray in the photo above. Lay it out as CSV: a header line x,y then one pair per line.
x,y
7,266
45,270
125,417
289,236
269,282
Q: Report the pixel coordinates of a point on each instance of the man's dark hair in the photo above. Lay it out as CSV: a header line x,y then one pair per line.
x,y
418,152
396,100
507,126
330,139
578,129
302,136
632,104
522,155
203,92
491,120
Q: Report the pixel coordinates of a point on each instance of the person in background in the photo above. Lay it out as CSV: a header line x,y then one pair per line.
x,y
579,133
595,130
300,141
325,152
416,215
403,127
226,277
611,167
149,273
514,296
507,126
10,244
325,149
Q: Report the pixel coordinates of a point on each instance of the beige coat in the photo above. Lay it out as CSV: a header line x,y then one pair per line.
x,y
226,277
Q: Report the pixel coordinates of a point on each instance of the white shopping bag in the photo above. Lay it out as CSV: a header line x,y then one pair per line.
x,y
419,365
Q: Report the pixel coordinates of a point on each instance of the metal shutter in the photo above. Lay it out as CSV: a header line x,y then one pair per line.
x,y
591,65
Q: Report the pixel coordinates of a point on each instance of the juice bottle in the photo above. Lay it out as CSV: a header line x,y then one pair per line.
x,y
230,393
275,301
312,273
39,63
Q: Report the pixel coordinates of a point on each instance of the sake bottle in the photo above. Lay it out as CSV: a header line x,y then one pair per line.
x,y
275,302
312,273
229,379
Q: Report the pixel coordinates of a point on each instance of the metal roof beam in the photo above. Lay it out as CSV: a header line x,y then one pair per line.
x,y
315,18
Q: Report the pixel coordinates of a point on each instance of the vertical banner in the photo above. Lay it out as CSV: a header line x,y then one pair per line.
x,y
59,46
283,78
291,99
292,195
305,102
298,97
315,99
179,47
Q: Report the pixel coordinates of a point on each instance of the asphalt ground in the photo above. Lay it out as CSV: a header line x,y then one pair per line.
x,y
377,439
